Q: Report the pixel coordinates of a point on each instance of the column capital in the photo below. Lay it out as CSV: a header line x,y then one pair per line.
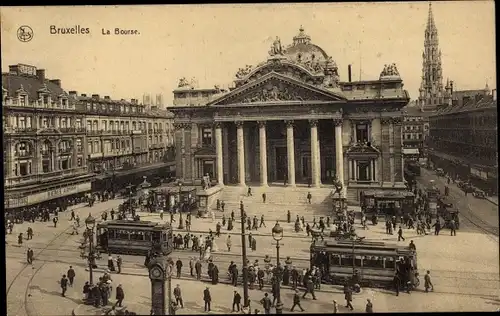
x,y
397,120
313,123
261,123
337,122
386,120
289,123
239,123
178,126
217,125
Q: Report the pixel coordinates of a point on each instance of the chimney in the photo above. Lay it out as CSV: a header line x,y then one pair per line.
x,y
451,88
84,95
106,97
349,73
40,73
73,93
13,69
494,94
57,82
95,96
123,100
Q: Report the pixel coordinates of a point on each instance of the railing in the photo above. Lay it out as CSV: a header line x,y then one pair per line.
x,y
23,154
157,146
65,150
72,129
45,176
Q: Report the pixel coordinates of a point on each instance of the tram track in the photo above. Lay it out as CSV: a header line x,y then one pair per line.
x,y
57,241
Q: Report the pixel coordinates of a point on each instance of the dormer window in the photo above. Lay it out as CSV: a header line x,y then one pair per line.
x,y
23,100
103,107
121,108
133,109
64,103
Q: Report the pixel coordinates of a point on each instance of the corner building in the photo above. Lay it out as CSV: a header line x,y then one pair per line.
x,y
291,118
43,139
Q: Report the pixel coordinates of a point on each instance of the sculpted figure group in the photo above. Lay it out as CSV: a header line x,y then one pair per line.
x,y
390,70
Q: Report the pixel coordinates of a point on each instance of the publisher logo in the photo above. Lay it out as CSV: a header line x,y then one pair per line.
x,y
25,33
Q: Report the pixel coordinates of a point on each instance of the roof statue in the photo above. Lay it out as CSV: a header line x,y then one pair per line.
x,y
242,72
276,49
390,71
193,83
183,83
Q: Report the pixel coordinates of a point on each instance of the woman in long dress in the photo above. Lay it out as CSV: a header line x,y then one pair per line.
x,y
207,253
214,246
111,263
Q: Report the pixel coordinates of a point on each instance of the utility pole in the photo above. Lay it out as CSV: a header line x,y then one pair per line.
x,y
244,256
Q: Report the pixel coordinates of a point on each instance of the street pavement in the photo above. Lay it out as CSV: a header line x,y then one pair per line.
x,y
19,274
466,278
480,214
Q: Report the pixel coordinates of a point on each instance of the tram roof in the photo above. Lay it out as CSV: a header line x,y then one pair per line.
x,y
365,246
387,194
123,224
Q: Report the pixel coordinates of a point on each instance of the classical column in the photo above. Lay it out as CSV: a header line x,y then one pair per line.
x,y
314,153
263,153
391,151
241,152
290,153
218,150
339,154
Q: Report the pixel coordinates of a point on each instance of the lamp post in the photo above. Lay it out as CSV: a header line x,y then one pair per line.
x,y
244,257
277,232
181,224
90,224
169,272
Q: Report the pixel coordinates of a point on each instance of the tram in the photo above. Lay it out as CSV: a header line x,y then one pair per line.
x,y
393,203
374,263
133,237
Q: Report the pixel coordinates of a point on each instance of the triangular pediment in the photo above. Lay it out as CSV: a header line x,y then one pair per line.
x,y
274,87
205,151
362,149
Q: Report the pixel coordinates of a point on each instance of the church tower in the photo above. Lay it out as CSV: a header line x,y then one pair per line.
x,y
431,92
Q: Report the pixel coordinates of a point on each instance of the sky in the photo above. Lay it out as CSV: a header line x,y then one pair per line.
x,y
210,42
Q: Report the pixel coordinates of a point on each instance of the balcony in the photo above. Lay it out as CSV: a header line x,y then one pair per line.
x,y
65,151
139,150
23,154
69,130
45,177
157,146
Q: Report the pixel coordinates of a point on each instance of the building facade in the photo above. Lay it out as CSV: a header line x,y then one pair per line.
x,y
431,92
123,134
290,119
463,139
44,139
415,132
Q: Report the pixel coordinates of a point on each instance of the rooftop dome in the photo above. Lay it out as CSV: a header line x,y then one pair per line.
x,y
302,45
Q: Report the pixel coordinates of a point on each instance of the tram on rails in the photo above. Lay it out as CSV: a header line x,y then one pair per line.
x,y
372,263
133,237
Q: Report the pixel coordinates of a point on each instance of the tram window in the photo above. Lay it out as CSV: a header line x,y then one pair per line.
x,y
111,233
122,234
147,236
335,260
164,237
373,262
358,261
389,263
347,260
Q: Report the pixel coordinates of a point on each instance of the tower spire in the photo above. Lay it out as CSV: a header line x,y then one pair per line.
x,y
432,92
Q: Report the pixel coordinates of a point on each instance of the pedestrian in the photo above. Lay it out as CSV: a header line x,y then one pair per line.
x,y
236,301
71,275
369,306
453,228
309,288
120,295
397,283
249,191
111,263
161,214
348,297
119,262
29,232
20,239
207,298
64,285
228,243
72,215
55,219
178,296
29,255
262,223
288,216
412,246
191,266
309,197
266,303
178,265
264,197
296,301
260,277
400,234
437,227
428,284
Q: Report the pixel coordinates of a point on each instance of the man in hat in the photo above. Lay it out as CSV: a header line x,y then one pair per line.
x,y
296,301
207,298
178,296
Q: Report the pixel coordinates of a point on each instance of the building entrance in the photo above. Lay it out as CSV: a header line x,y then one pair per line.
x,y
281,163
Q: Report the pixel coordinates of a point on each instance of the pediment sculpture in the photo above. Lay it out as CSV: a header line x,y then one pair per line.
x,y
390,70
276,94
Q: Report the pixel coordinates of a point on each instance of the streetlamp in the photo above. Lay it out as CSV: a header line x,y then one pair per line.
x,y
170,272
277,232
181,224
90,224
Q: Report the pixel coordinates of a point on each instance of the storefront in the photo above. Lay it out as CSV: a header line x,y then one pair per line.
x,y
47,195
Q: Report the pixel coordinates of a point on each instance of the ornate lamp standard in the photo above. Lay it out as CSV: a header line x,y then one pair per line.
x,y
338,189
181,224
277,232
90,224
